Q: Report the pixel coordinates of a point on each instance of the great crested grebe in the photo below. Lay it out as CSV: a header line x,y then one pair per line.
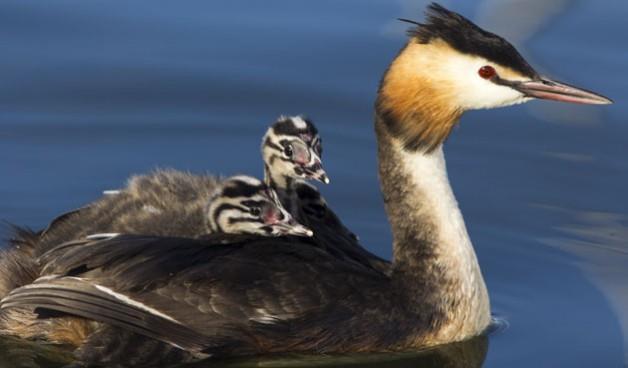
x,y
229,295
245,205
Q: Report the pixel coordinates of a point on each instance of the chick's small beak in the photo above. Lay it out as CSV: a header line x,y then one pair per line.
x,y
294,228
323,178
300,230
315,171
548,89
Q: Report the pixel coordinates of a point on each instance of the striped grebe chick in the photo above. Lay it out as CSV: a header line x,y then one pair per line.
x,y
231,296
245,205
292,150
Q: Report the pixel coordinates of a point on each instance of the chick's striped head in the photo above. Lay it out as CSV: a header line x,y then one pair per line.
x,y
292,148
245,205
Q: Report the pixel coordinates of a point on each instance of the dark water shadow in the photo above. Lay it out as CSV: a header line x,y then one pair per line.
x,y
16,353
466,354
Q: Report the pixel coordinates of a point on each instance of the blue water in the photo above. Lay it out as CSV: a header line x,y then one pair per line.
x,y
92,92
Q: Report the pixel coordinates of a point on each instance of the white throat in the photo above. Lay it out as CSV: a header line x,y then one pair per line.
x,y
428,174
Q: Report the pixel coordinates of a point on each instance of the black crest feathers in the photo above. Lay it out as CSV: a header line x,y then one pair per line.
x,y
466,37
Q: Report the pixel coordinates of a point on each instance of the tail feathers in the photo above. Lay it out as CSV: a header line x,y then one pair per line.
x,y
22,238
61,219
17,259
76,297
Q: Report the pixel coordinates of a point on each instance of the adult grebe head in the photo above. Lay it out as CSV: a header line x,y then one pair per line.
x,y
450,65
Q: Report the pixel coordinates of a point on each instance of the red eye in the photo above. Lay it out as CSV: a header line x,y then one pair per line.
x,y
487,72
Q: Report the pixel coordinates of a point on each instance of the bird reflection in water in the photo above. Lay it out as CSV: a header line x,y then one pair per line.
x,y
466,354
16,353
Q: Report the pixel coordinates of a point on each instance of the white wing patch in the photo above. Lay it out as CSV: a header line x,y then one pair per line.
x,y
101,236
125,299
45,278
265,317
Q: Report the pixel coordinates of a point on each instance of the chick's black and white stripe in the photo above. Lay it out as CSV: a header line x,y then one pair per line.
x,y
294,192
277,145
227,199
245,205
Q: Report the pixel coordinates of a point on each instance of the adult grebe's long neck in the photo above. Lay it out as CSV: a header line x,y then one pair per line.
x,y
433,258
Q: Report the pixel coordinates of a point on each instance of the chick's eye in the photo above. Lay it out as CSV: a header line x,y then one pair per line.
x,y
487,72
256,211
288,150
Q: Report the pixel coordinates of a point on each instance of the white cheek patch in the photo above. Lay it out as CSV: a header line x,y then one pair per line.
x,y
474,92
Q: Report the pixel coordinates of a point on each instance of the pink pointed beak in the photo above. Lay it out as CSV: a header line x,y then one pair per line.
x,y
548,89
